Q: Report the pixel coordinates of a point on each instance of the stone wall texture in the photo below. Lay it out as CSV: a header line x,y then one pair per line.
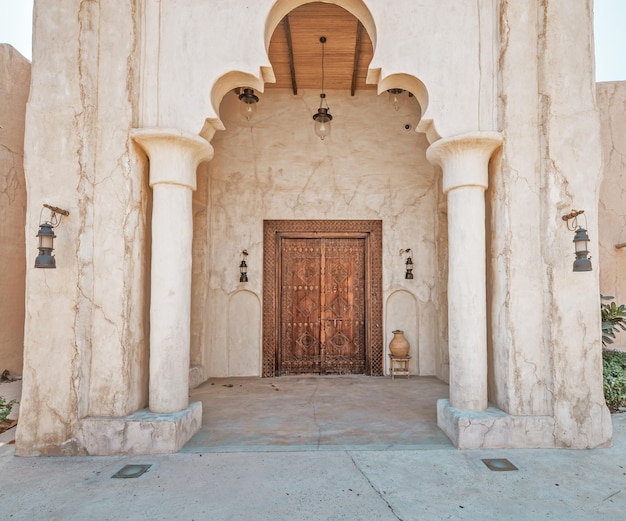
x,y
611,213
276,168
14,88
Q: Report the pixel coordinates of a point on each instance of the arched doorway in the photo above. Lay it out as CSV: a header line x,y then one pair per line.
x,y
372,168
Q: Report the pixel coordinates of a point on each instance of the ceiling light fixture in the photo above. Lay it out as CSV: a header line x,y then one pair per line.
x,y
322,117
397,98
248,99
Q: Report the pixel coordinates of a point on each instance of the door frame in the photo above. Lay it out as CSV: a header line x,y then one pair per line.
x,y
371,231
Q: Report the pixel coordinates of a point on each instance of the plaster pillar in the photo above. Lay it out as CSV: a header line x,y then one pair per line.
x,y
464,160
174,157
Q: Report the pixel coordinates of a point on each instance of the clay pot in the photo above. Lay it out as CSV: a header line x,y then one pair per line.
x,y
399,346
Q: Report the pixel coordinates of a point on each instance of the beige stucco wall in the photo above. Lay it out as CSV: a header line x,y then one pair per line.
x,y
14,87
103,68
612,214
174,95
545,318
86,322
371,167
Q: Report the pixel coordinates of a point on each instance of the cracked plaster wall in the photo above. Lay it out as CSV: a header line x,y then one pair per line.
x,y
612,217
276,168
85,349
93,360
545,343
14,87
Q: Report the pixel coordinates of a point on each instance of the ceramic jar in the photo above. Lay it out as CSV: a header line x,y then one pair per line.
x,y
399,346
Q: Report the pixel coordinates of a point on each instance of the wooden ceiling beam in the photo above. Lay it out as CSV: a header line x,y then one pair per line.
x,y
292,67
357,54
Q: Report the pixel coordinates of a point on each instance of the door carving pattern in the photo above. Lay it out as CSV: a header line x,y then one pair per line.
x,y
322,288
322,306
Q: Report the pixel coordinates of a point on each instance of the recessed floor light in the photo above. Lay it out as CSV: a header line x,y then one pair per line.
x,y
131,471
499,465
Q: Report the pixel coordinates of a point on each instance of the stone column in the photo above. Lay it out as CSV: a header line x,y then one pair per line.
x,y
464,160
174,157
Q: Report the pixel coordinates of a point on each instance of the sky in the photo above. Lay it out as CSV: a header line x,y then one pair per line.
x,y
610,33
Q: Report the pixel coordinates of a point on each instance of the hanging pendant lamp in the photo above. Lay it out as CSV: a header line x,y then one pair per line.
x,y
322,117
248,100
397,98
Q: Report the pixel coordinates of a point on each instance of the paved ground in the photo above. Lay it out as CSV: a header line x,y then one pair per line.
x,y
318,413
346,483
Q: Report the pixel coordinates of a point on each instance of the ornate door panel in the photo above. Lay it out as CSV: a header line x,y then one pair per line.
x,y
322,297
343,313
300,306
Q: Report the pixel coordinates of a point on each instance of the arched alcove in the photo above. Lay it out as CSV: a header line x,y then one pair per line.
x,y
244,326
401,312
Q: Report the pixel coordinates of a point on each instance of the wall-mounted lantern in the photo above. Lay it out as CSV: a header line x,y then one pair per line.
x,y
46,237
243,267
581,241
408,263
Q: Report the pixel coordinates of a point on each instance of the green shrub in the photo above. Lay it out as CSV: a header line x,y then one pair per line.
x,y
5,408
614,377
613,319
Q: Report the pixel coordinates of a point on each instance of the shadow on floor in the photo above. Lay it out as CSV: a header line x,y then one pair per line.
x,y
292,413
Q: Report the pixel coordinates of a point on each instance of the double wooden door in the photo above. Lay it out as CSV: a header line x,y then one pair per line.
x,y
322,305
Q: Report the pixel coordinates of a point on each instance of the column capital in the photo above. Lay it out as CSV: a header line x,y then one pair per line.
x,y
174,154
464,158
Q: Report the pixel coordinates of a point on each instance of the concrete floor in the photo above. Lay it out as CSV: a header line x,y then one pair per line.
x,y
318,483
318,413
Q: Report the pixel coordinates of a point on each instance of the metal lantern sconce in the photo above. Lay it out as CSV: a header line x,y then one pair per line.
x,y
322,117
581,241
46,237
408,263
243,267
248,100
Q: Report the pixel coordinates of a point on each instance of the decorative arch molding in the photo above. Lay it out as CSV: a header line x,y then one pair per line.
x,y
402,81
358,8
235,79
225,83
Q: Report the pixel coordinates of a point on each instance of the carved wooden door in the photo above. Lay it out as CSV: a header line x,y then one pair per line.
x,y
322,306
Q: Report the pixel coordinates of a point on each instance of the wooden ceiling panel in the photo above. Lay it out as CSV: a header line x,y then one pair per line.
x,y
306,25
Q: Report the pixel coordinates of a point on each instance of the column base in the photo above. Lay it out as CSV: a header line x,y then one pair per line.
x,y
142,432
495,429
